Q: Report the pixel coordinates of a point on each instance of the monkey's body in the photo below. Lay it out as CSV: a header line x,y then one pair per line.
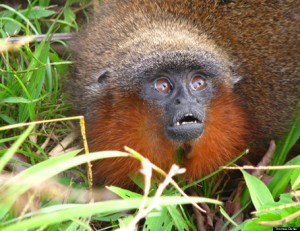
x,y
119,81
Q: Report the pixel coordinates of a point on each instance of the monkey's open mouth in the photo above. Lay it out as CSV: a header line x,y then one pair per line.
x,y
185,127
187,119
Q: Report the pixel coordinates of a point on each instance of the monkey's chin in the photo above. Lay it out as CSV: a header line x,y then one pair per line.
x,y
184,133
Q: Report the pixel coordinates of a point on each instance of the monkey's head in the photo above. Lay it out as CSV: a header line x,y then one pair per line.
x,y
180,84
156,89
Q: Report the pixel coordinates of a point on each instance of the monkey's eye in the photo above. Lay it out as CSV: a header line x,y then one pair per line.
x,y
198,83
163,85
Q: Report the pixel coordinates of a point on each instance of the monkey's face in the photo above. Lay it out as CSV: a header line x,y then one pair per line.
x,y
182,95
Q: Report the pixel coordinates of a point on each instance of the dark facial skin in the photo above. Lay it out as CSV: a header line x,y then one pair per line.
x,y
182,95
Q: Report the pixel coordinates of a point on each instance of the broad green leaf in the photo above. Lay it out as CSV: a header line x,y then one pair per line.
x,y
159,220
11,28
69,18
69,15
285,198
259,192
40,13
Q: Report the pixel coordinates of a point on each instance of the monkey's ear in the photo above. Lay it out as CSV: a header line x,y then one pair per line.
x,y
102,75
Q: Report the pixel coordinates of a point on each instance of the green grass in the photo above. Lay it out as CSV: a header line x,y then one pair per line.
x,y
52,193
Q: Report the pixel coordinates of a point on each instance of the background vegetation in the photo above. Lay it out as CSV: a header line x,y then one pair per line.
x,y
43,185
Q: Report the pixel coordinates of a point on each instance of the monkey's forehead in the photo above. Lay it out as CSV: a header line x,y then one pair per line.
x,y
155,62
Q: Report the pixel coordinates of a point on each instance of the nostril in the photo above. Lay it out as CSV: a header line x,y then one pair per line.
x,y
177,101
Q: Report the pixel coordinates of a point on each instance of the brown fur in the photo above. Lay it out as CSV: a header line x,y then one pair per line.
x,y
258,38
135,124
131,124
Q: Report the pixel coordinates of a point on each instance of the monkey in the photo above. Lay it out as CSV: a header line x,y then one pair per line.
x,y
209,77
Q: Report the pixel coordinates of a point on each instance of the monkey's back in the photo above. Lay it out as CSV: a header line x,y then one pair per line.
x,y
265,44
